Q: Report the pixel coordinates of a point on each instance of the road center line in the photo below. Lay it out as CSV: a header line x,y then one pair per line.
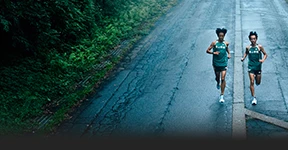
x,y
238,120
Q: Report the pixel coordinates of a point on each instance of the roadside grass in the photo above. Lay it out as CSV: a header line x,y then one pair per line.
x,y
55,86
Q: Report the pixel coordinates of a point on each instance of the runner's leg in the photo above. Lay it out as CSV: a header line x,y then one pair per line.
x,y
223,81
251,77
258,79
217,76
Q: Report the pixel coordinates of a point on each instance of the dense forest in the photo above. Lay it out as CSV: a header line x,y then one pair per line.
x,y
54,53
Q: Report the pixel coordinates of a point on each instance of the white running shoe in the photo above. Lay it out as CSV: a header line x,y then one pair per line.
x,y
254,101
221,100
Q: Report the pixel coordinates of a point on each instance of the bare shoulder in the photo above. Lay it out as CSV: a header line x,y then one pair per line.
x,y
260,46
227,43
247,47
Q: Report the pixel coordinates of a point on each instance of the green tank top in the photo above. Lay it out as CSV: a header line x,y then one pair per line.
x,y
254,55
220,60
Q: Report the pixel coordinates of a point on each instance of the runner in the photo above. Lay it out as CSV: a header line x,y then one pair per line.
x,y
221,54
255,60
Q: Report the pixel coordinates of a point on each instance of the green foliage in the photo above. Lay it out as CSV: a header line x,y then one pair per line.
x,y
67,41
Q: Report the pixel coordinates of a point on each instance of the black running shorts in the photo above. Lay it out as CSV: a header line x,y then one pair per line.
x,y
218,69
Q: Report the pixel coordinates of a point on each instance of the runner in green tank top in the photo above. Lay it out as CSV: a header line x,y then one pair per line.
x,y
221,54
254,52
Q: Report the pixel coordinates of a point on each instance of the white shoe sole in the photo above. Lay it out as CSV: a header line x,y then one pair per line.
x,y
254,103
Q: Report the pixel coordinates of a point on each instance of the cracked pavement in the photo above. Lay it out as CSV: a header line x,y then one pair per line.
x,y
165,86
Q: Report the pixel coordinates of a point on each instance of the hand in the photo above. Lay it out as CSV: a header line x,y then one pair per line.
x,y
261,60
229,56
216,53
242,59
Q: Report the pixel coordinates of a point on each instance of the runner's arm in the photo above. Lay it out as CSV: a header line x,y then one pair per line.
x,y
245,54
210,48
264,53
228,49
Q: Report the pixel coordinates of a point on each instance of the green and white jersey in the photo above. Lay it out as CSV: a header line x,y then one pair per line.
x,y
220,60
254,55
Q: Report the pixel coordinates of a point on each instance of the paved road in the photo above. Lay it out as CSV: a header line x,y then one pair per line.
x,y
269,19
166,88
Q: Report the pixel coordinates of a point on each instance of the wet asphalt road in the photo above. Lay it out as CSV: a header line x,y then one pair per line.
x,y
166,88
269,19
